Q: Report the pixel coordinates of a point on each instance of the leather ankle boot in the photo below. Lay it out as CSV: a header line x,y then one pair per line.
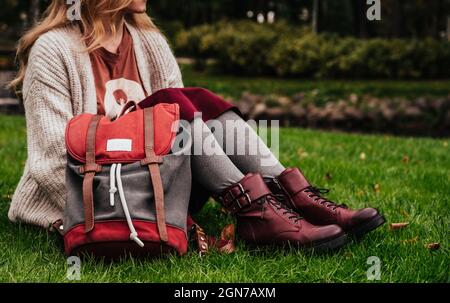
x,y
262,219
293,189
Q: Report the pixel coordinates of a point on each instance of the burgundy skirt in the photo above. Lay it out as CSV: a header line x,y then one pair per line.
x,y
193,100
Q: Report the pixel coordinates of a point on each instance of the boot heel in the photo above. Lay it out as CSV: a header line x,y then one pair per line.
x,y
361,230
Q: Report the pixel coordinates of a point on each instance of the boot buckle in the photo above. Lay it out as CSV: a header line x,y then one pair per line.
x,y
235,204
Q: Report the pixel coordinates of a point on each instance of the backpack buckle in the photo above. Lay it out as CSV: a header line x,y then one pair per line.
x,y
152,160
90,168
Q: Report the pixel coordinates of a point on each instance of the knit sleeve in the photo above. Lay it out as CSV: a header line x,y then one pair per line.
x,y
48,108
163,61
174,78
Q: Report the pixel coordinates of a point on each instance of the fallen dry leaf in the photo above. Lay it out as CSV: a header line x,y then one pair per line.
x,y
222,246
360,193
404,213
228,248
228,232
377,188
348,255
433,246
301,153
405,159
362,156
394,226
410,241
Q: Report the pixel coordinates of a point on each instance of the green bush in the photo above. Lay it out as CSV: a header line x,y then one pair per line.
x,y
246,47
187,42
304,56
241,47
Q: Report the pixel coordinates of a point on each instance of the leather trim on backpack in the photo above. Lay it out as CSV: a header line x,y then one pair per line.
x,y
89,171
153,161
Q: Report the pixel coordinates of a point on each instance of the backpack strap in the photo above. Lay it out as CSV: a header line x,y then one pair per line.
x,y
153,161
89,170
130,106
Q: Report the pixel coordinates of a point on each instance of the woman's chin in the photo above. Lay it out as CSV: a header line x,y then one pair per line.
x,y
141,10
137,10
138,7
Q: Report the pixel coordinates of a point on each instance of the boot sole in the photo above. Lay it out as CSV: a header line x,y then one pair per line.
x,y
361,230
318,247
329,245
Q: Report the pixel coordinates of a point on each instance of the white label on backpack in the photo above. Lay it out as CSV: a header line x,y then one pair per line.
x,y
119,145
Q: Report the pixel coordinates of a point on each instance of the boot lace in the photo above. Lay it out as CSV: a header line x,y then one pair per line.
x,y
316,193
286,211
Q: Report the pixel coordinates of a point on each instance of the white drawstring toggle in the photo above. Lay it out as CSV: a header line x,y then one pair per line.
x,y
112,184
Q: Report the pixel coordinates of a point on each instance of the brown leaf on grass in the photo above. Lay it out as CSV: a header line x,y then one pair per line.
x,y
433,246
404,213
348,255
222,246
328,176
395,226
405,159
7,196
362,156
302,153
228,232
226,242
377,188
228,248
410,241
360,193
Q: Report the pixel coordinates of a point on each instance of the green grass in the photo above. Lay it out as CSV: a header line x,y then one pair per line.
x,y
415,191
233,86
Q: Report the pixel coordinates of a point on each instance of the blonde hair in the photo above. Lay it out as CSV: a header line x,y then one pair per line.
x,y
93,12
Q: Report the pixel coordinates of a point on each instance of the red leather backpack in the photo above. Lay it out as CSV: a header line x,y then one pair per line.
x,y
127,192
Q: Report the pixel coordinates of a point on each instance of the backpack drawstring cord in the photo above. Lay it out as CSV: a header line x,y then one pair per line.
x,y
116,176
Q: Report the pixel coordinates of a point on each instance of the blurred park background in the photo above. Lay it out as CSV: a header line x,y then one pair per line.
x,y
308,63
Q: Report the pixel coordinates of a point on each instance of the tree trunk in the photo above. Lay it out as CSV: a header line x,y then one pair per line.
x,y
448,28
315,16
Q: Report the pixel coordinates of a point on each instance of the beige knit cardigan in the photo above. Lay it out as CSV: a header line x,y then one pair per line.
x,y
58,85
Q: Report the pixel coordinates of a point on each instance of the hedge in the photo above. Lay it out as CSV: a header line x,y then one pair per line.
x,y
252,49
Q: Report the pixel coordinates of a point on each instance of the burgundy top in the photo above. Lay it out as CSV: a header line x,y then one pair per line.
x,y
117,78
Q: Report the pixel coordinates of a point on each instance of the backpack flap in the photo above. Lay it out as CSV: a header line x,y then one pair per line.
x,y
122,140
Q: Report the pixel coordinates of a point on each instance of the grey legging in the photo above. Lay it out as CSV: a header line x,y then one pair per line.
x,y
216,170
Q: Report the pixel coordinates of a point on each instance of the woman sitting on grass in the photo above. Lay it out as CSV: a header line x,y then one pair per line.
x,y
114,54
